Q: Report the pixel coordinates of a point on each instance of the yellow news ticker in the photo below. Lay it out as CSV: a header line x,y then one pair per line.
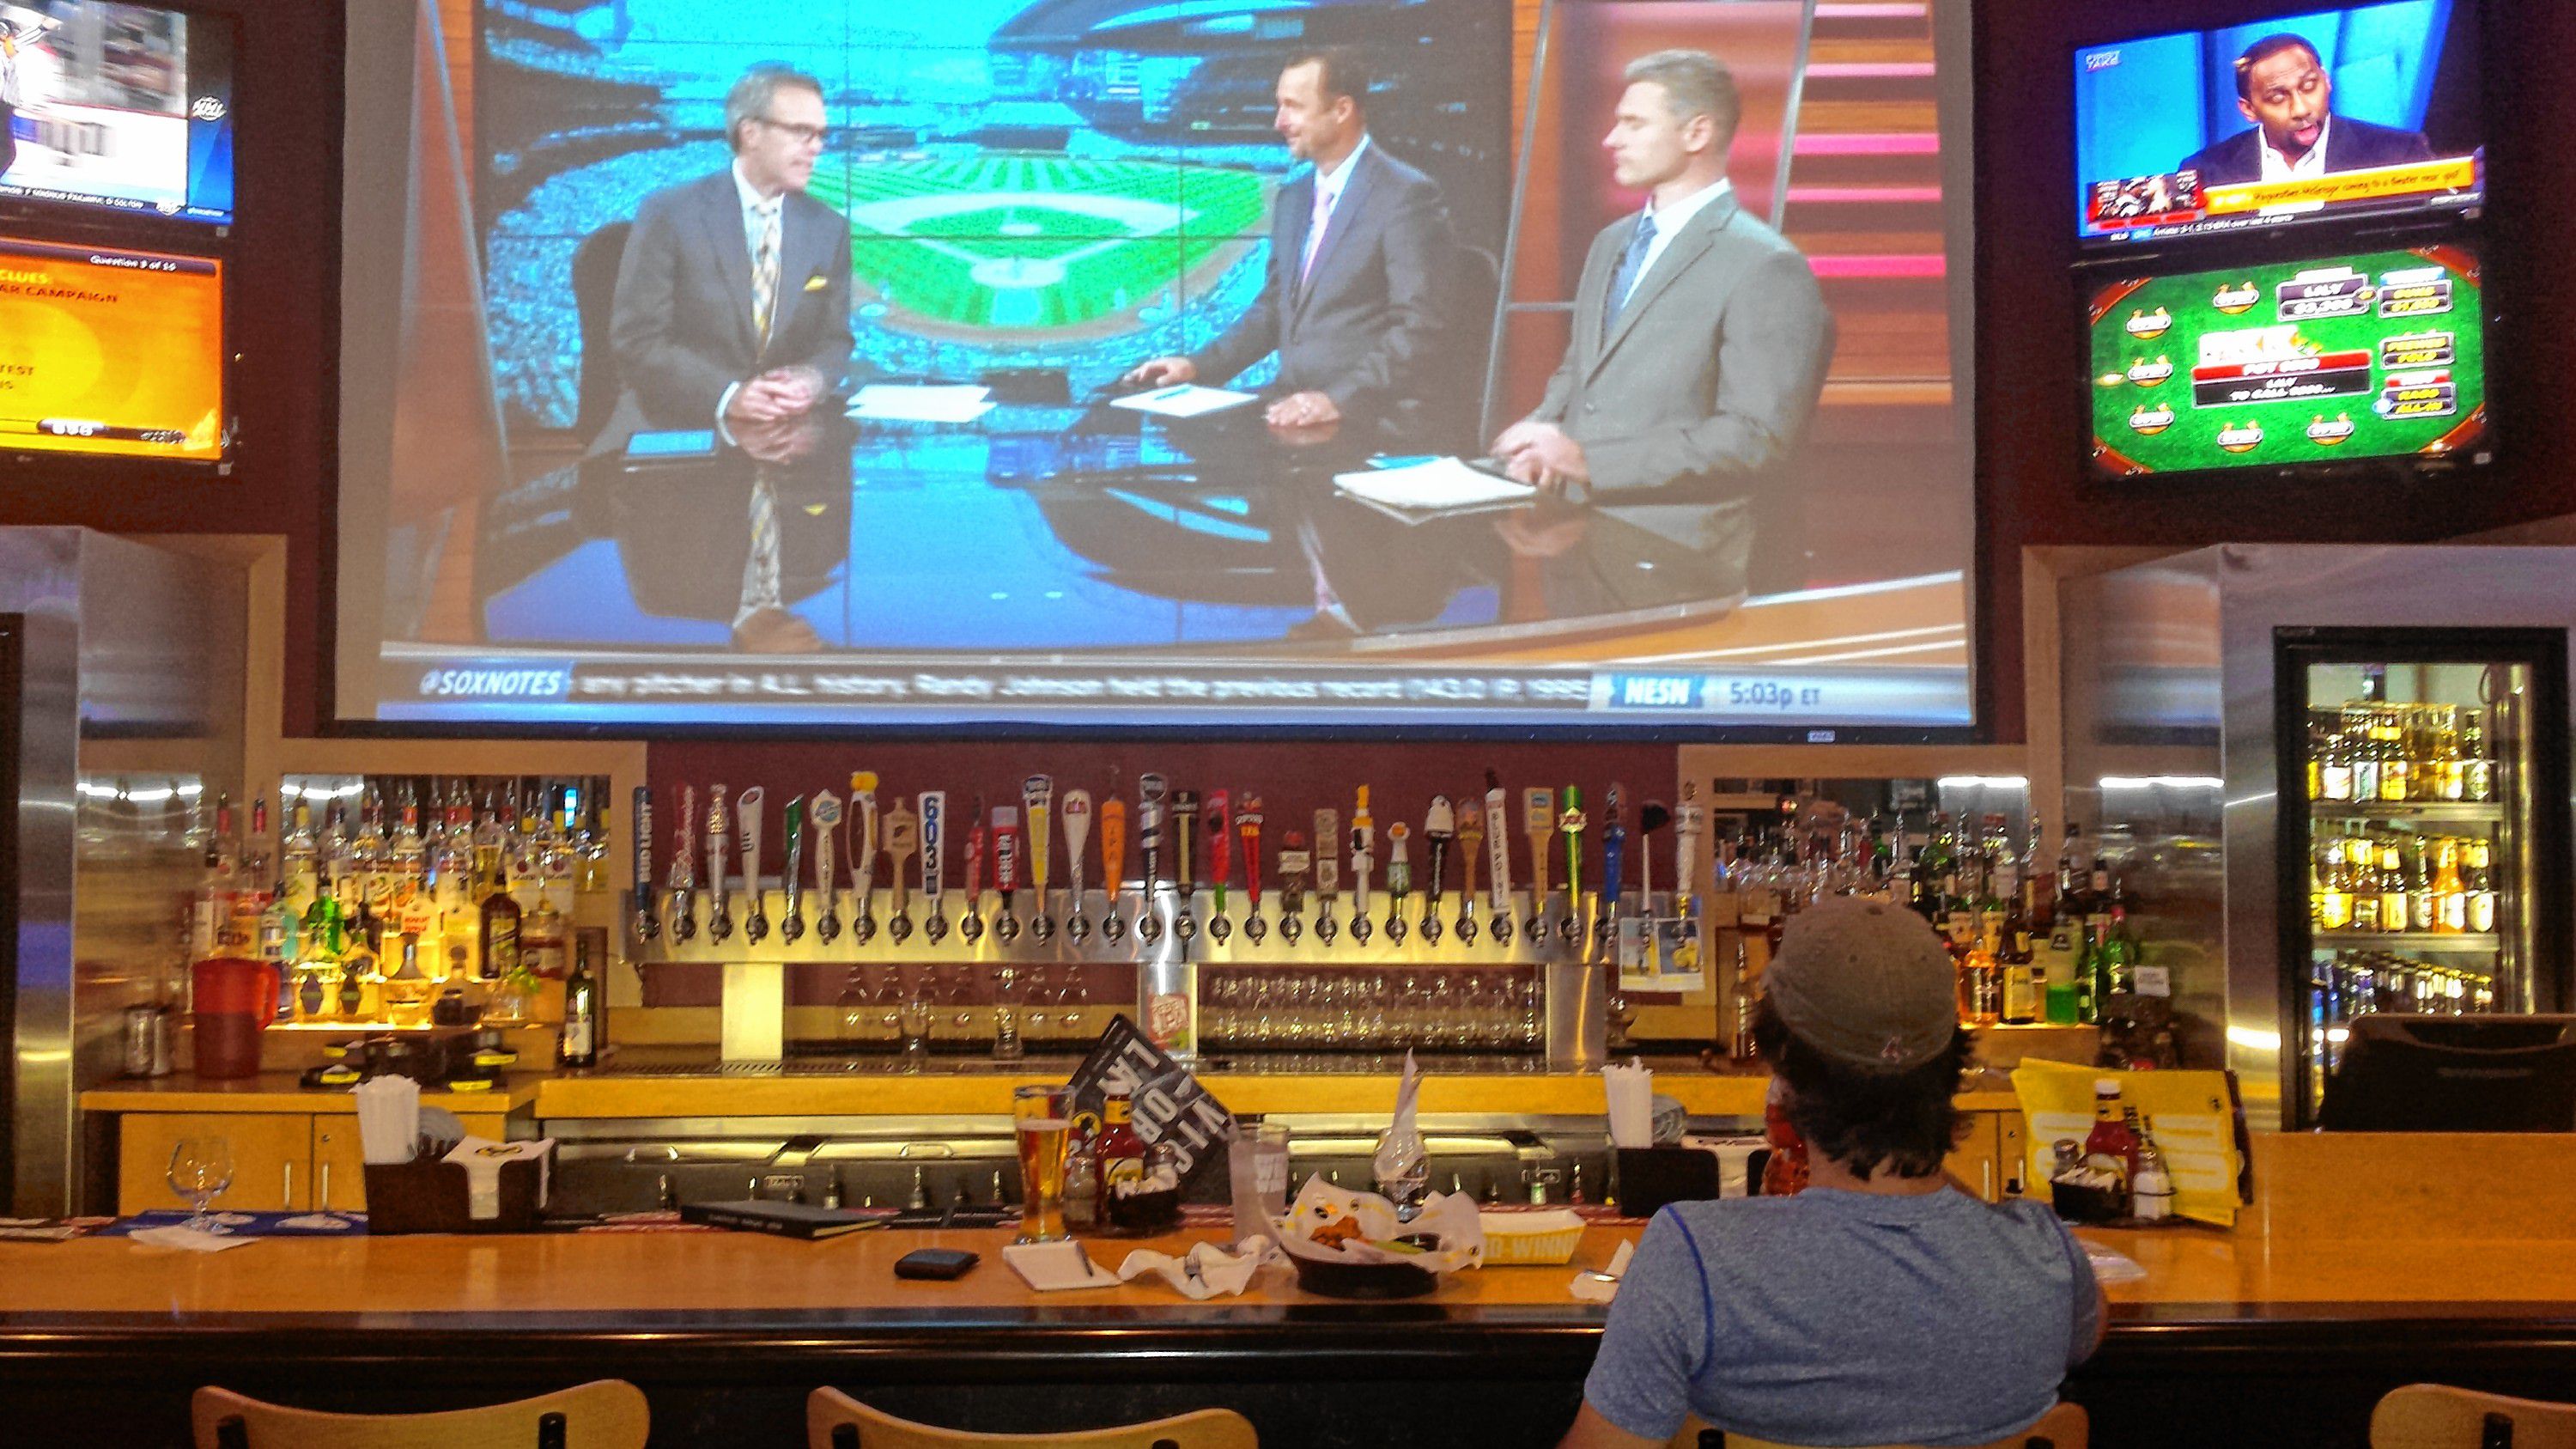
x,y
2378,181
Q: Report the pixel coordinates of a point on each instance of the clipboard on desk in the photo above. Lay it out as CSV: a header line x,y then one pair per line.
x,y
1418,491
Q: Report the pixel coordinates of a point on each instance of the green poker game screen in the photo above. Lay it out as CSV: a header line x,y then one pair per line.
x,y
2377,354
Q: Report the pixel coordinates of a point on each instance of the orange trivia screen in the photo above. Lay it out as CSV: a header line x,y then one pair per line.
x,y
108,351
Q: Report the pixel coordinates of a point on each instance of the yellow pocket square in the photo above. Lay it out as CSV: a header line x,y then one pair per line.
x,y
817,282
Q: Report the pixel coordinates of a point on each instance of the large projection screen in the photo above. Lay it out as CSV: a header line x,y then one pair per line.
x,y
554,511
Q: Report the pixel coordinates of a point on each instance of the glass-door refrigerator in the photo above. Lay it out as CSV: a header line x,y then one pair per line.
x,y
2423,773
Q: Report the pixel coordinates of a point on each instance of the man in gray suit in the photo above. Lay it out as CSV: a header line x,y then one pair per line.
x,y
733,298
1700,335
1356,247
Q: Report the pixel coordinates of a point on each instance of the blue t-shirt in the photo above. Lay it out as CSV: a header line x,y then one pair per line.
x,y
1846,1318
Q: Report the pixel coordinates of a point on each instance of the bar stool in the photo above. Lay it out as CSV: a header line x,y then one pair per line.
x,y
2064,1427
2434,1416
606,1414
834,1420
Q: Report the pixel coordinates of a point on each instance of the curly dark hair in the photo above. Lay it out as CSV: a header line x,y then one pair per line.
x,y
1908,1120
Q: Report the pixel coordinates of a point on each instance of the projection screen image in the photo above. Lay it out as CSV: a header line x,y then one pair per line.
x,y
1087,363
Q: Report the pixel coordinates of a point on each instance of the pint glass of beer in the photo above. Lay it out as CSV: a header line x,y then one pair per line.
x,y
1041,1119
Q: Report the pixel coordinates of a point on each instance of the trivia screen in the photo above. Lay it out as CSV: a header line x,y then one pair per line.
x,y
109,352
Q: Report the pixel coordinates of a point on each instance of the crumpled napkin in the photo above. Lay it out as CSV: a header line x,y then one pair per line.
x,y
1333,1211
1602,1286
186,1239
1206,1271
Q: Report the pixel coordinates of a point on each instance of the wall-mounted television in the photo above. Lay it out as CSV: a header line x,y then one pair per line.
x,y
2313,363
117,107
111,352
2355,111
1018,201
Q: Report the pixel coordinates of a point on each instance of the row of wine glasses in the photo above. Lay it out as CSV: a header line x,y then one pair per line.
x,y
1245,1010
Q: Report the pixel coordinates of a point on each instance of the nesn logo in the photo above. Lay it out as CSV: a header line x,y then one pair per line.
x,y
1652,691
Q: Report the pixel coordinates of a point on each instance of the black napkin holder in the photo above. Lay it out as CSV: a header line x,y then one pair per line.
x,y
430,1195
1650,1177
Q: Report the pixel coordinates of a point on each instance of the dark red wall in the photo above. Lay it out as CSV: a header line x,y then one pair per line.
x,y
2030,416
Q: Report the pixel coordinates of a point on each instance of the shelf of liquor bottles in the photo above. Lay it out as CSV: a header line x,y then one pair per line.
x,y
2487,942
2422,812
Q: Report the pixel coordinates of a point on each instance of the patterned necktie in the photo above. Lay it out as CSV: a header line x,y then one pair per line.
x,y
1315,230
760,574
764,272
1632,263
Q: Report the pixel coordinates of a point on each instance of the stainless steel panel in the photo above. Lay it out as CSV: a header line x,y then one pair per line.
x,y
2168,674
39,580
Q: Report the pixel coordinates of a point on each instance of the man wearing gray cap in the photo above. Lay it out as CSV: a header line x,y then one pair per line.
x,y
1882,1305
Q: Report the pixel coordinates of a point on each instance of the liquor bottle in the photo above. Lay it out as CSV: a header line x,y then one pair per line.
x,y
362,980
406,856
497,929
2477,767
2361,878
2396,767
2072,875
585,1018
1981,982
542,940
591,873
2088,977
2060,996
2120,955
2023,986
2365,755
2450,891
2332,760
2423,905
2395,908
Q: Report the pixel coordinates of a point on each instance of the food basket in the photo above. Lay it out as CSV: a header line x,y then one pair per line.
x,y
1541,1240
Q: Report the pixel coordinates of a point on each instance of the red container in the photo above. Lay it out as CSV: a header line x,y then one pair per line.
x,y
233,1003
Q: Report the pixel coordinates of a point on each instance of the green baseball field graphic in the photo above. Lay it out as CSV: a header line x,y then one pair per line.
x,y
1033,242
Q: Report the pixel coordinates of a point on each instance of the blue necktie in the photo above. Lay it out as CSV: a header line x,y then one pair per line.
x,y
1632,264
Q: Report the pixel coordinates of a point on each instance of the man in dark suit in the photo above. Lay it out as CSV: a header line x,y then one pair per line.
x,y
1356,251
733,299
2283,88
1700,335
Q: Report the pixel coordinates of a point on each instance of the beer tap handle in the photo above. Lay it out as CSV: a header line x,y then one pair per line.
x,y
1150,792
1037,797
1247,824
1113,866
1220,825
863,853
1614,867
1328,873
1538,822
972,924
827,876
719,866
1077,838
747,808
1399,877
646,922
1294,862
684,868
1652,816
902,839
933,805
1498,850
1471,846
1184,825
1006,867
792,888
1569,823
1439,827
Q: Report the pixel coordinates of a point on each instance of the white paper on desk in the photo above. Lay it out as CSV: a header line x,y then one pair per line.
x,y
904,403
2111,1267
1055,1267
1187,400
1603,1286
1441,485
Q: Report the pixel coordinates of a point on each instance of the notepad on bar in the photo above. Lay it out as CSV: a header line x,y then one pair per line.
x,y
1184,400
902,403
1440,488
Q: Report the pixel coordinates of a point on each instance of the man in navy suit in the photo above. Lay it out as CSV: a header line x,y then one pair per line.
x,y
2283,88
733,299
1356,250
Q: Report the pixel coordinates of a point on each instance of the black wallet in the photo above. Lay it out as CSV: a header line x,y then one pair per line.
x,y
941,1263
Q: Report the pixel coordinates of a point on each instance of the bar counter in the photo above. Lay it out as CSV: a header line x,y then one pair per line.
x,y
2268,1333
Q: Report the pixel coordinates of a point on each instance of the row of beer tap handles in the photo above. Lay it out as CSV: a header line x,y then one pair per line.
x,y
1018,843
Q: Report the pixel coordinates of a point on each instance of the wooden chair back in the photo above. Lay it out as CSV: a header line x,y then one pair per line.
x,y
2064,1427
606,1414
2432,1416
834,1420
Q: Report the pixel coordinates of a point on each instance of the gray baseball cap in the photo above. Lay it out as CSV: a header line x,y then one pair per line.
x,y
1866,983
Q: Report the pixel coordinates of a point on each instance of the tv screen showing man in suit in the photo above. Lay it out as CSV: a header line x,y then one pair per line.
x,y
2359,111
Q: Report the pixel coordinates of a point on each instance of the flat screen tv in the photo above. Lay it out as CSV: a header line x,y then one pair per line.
x,y
2324,362
117,107
2362,110
111,352
550,515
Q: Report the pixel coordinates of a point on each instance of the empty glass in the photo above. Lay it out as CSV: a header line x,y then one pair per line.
x,y
200,1169
1257,1174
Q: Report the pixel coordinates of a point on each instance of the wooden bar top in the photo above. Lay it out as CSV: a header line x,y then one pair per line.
x,y
2191,1272
281,1092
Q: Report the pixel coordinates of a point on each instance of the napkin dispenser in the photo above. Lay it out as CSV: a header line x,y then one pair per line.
x,y
436,1194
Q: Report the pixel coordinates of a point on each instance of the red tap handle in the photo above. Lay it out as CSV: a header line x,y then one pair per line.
x,y
975,863
1248,824
1006,858
1220,840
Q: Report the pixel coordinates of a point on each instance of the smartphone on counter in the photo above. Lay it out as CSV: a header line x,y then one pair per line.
x,y
940,1263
